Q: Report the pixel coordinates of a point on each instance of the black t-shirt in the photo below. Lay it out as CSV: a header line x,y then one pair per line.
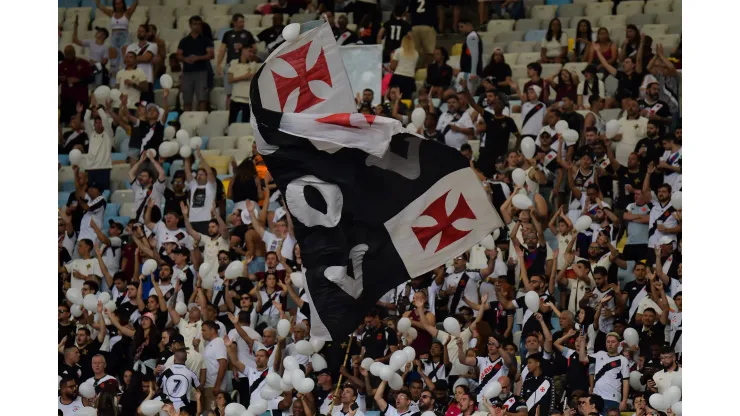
x,y
69,331
86,355
197,46
531,325
576,372
235,41
653,151
656,334
270,37
498,130
78,139
659,108
423,13
154,133
66,370
376,341
369,34
625,177
499,72
434,136
345,37
172,200
77,212
403,109
439,76
242,286
534,389
242,190
497,317
628,85
395,30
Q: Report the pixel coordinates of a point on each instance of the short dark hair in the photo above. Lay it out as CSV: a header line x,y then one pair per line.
x,y
66,379
535,67
597,401
600,270
593,98
244,317
236,17
655,123
211,324
93,285
592,129
666,186
465,147
369,90
453,96
649,310
87,241
84,329
194,19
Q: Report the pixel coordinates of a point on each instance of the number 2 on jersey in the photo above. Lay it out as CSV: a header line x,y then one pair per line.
x,y
421,6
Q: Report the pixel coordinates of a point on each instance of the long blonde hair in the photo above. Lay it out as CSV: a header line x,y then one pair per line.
x,y
408,49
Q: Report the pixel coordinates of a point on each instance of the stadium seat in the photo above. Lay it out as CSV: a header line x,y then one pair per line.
x,y
66,174
122,196
669,18
676,6
549,70
118,157
528,58
522,47
570,10
240,129
245,142
186,11
220,163
210,152
150,3
216,118
60,15
674,29
640,20
171,99
529,24
654,30
201,2
421,74
119,172
599,9
613,20
456,49
669,42
266,21
128,209
219,22
63,198
543,12
610,113
508,37
238,154
630,7
210,130
302,18
508,58
218,98
211,9
197,117
594,20
535,35
252,20
617,33
63,159
222,142
499,26
111,209
576,67
657,6
519,71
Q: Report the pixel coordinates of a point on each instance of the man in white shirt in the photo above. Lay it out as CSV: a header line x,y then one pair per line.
x,y
145,187
84,268
455,125
131,81
215,358
145,53
273,241
92,203
216,240
662,222
98,161
202,193
533,112
347,398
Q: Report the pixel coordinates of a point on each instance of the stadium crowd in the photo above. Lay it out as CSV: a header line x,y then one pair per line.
x,y
187,296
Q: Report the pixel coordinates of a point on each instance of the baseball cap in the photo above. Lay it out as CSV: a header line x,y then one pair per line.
x,y
94,184
113,223
150,316
441,385
193,305
179,339
152,105
104,30
537,90
667,239
171,239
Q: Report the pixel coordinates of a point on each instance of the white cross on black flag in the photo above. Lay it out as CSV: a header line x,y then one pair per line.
x,y
371,206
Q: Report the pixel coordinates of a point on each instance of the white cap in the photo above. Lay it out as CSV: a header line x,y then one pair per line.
x,y
667,239
537,90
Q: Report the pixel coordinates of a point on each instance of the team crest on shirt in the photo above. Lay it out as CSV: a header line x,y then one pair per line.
x,y
380,337
614,364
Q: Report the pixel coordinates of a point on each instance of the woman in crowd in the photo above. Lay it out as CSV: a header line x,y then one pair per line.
x,y
565,84
500,71
403,66
554,48
606,46
591,85
119,20
584,38
439,74
245,185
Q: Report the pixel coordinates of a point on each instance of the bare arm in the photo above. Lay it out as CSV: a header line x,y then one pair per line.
x,y
106,10
605,63
205,166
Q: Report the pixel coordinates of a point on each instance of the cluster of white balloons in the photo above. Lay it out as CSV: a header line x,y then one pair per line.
x,y
234,270
670,398
404,326
389,372
206,279
89,302
569,135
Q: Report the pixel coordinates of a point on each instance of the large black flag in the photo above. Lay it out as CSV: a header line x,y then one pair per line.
x,y
372,206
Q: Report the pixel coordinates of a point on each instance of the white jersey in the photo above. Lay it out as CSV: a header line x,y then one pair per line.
x,y
435,371
608,372
72,408
532,116
673,178
471,287
176,383
660,214
146,68
489,371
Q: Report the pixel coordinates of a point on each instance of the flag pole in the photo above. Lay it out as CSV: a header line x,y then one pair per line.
x,y
339,382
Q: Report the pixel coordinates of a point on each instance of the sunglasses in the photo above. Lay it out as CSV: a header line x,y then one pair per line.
x,y
426,396
62,311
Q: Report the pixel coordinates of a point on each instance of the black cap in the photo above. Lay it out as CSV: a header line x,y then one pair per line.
x,y
178,338
591,69
327,372
113,223
94,184
104,30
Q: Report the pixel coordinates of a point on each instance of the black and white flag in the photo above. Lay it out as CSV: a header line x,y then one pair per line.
x,y
372,206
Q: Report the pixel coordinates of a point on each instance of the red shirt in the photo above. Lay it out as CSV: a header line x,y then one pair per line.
x,y
79,68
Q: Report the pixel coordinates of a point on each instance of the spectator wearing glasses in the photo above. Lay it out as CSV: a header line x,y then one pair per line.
x,y
592,403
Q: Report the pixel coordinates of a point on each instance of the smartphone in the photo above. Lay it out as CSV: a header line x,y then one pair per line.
x,y
353,406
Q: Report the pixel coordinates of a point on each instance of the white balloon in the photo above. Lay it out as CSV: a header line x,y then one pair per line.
x,y
291,32
375,368
528,147
181,308
570,136
672,395
516,337
104,297
151,407
185,151
317,344
561,126
488,242
410,354
583,223
234,270
297,279
165,150
366,363
318,362
451,326
110,306
676,379
149,267
296,376
207,282
532,299
285,386
411,334
234,409
492,390
305,385
169,132
612,129
74,295
87,390
268,393
676,198
102,93
677,408
398,360
196,142
75,157
386,373
205,269
86,411
290,363
518,176
182,134
258,405
521,201
631,337
496,234
635,381
273,380
659,402
418,116
115,94
165,81
403,325
283,327
396,382
411,128
304,347
76,311
90,302
182,141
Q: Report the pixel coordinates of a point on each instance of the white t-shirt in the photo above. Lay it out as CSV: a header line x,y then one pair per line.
x,y
212,247
112,257
246,354
96,209
166,288
673,178
406,64
72,408
190,331
555,46
86,267
457,367
136,76
663,213
533,126
201,200
471,288
272,242
486,366
163,233
142,194
602,92
141,50
609,373
453,138
214,351
632,131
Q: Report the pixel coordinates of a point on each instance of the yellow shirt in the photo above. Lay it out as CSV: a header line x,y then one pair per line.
x,y
240,89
